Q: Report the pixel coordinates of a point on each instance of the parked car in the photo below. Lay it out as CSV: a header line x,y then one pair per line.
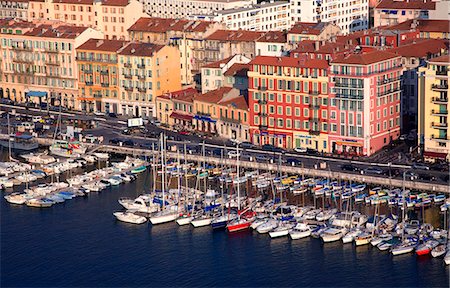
x,y
410,175
112,115
271,148
37,119
427,177
126,131
183,132
373,170
90,138
262,158
420,166
349,167
128,142
246,145
300,149
115,141
233,154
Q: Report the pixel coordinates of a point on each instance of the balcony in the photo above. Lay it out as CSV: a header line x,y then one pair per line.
x,y
22,60
437,125
27,72
230,120
388,92
439,87
439,112
262,114
440,138
23,48
52,63
437,100
50,50
313,93
127,76
104,72
127,65
312,119
262,102
141,77
141,66
129,89
88,71
263,127
142,89
89,83
97,95
348,85
105,84
314,132
314,106
262,88
388,80
442,72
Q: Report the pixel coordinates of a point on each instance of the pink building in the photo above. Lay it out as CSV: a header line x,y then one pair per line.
x,y
364,102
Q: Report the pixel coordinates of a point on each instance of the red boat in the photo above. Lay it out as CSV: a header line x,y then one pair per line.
x,y
238,225
423,249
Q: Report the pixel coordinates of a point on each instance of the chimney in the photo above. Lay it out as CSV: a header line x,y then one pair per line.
x,y
316,45
133,50
99,42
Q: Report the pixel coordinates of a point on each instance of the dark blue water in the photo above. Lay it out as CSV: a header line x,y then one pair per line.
x,y
79,243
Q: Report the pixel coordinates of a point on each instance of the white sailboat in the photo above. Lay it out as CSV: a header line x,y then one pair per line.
x,y
130,217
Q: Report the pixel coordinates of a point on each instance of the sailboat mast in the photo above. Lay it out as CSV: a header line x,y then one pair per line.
x,y
9,138
238,184
403,205
163,168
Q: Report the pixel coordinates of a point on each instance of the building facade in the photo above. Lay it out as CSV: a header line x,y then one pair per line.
x,y
349,15
391,12
146,70
288,102
321,31
39,61
433,129
364,102
17,9
112,17
174,109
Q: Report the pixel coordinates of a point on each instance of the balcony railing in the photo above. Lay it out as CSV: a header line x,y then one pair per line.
x,y
97,95
22,60
141,77
262,102
263,127
437,125
439,112
312,119
105,84
127,65
23,48
388,80
104,72
440,137
348,85
262,114
387,92
314,106
314,132
438,100
230,120
439,87
141,66
128,88
88,71
142,89
127,76
52,63
442,72
262,88
314,93
89,83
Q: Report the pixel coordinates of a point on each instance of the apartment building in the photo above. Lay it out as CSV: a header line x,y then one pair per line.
x,y
426,29
364,113
349,15
301,31
213,75
17,9
272,43
112,17
174,109
189,36
98,72
185,8
433,129
38,61
265,16
288,102
391,12
146,70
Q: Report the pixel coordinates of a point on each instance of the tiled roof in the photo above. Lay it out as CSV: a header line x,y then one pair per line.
x,y
237,69
421,48
235,35
213,96
103,45
140,49
49,31
238,102
161,25
441,59
422,25
185,95
364,58
13,23
308,28
290,62
407,4
91,2
80,2
121,3
273,37
218,63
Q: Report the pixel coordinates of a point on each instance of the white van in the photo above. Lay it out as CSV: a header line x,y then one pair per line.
x,y
37,119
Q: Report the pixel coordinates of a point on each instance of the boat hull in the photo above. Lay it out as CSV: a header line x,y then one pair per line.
x,y
276,234
238,227
184,220
155,220
201,222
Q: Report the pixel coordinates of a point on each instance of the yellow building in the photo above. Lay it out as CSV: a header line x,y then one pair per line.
x,y
175,108
38,61
146,71
433,108
112,17
98,72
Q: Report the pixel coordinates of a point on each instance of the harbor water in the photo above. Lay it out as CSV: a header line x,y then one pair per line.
x,y
79,244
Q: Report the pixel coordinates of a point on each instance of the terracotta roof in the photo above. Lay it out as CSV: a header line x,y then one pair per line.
x,y
121,3
441,59
13,23
421,48
364,58
103,45
308,28
422,25
290,62
308,46
91,2
273,37
141,49
49,31
237,69
80,2
213,96
186,95
218,63
162,25
238,102
407,4
235,35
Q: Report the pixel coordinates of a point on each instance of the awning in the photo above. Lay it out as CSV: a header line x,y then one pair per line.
x,y
435,155
180,116
86,98
348,143
23,136
36,94
204,118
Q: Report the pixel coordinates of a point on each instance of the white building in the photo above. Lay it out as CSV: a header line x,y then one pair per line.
x,y
349,15
266,16
185,8
14,9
